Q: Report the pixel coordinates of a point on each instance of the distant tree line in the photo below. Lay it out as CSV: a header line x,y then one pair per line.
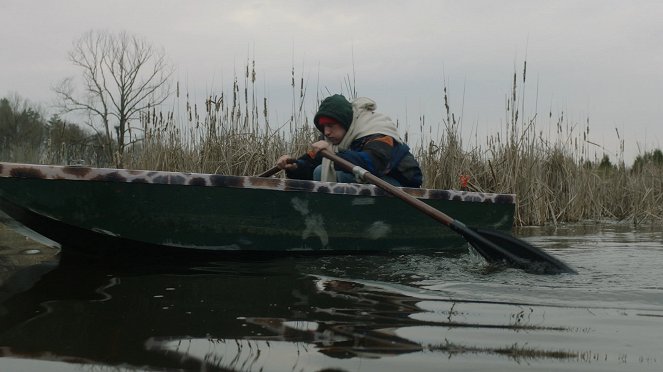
x,y
648,160
122,77
26,136
652,158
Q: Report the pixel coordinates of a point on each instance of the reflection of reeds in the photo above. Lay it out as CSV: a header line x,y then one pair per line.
x,y
519,352
553,174
515,351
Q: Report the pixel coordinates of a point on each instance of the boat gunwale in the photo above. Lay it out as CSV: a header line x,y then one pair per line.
x,y
85,173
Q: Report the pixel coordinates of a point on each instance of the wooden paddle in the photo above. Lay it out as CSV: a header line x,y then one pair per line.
x,y
275,169
494,246
270,172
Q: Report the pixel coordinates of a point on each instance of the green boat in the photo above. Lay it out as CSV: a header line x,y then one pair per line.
x,y
90,209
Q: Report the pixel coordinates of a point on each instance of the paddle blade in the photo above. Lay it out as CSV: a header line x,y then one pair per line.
x,y
527,256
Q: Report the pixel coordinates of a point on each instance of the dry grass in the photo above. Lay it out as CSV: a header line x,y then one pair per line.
x,y
553,178
225,135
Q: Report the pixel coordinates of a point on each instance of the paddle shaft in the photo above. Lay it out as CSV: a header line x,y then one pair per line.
x,y
396,191
471,236
275,169
270,172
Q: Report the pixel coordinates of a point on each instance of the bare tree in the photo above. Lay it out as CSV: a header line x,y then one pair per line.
x,y
122,75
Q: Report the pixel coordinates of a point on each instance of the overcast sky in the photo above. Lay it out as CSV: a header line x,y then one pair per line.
x,y
598,60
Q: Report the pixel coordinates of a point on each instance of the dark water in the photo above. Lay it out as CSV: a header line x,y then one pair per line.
x,y
343,313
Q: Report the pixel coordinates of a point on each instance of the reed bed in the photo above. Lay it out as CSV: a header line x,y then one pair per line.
x,y
553,176
228,134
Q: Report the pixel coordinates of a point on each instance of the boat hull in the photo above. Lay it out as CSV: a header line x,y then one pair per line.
x,y
93,208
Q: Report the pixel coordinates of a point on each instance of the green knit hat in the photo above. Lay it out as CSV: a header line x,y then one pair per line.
x,y
336,107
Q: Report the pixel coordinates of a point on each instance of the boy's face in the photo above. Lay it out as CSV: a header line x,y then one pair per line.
x,y
334,132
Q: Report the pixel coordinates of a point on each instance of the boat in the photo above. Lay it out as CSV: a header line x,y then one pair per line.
x,y
87,209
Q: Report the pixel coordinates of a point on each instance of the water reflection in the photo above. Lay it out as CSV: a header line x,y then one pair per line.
x,y
390,313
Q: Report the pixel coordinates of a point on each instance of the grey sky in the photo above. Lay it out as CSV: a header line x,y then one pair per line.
x,y
590,59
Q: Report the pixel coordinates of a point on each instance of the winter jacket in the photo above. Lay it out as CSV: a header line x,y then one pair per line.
x,y
371,141
381,155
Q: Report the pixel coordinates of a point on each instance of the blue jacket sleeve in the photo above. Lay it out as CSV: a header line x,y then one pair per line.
x,y
359,158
